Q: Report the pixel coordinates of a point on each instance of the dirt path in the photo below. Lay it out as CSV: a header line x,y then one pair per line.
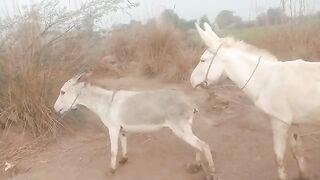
x,y
241,140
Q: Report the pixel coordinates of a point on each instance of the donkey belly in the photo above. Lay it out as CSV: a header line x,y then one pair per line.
x,y
142,117
139,120
150,111
141,128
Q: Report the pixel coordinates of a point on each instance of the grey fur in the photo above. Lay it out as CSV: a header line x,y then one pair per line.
x,y
129,111
155,107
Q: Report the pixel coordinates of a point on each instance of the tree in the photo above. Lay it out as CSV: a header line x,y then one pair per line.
x,y
237,21
186,24
226,18
170,16
275,16
262,19
204,19
88,24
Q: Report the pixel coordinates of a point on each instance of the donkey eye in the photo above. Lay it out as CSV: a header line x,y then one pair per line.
x,y
202,60
62,92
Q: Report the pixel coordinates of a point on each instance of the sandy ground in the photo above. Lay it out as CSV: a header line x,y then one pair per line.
x,y
238,133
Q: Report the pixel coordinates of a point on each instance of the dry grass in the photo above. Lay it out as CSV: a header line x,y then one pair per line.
x,y
13,153
41,48
36,57
291,41
39,51
151,50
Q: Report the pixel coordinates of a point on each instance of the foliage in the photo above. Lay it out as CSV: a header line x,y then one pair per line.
x,y
276,16
273,16
170,16
226,18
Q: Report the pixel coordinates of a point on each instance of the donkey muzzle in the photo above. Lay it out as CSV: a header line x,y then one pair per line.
x,y
203,84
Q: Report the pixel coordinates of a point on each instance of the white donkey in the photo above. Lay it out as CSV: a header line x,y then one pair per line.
x,y
133,111
289,92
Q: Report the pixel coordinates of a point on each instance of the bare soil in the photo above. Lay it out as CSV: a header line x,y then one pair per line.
x,y
238,133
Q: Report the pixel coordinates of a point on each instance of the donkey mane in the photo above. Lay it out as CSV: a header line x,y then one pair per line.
x,y
243,46
90,80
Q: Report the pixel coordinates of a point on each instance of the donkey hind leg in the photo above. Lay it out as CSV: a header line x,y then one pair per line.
x,y
297,151
123,140
186,134
280,136
114,140
195,166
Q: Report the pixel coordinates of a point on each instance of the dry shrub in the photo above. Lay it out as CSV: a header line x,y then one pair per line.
x,y
152,50
291,41
13,153
30,80
39,50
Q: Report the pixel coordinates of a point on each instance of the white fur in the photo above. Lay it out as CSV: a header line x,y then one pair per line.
x,y
108,106
289,92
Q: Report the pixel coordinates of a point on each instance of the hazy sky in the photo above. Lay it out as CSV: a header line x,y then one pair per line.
x,y
188,9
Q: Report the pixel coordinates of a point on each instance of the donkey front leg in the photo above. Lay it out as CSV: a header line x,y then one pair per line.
x,y
123,140
297,151
280,136
114,140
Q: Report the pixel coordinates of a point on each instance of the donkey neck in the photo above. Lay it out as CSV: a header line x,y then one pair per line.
x,y
240,66
95,98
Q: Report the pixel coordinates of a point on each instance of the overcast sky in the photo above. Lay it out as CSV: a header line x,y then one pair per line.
x,y
188,9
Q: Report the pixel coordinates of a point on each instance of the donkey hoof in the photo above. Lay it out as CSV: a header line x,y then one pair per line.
x,y
112,171
212,177
194,168
302,177
123,160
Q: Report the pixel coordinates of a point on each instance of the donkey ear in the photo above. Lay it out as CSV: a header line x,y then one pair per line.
x,y
209,30
81,75
212,42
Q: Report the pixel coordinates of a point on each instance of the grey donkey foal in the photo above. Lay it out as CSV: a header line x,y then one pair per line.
x,y
135,111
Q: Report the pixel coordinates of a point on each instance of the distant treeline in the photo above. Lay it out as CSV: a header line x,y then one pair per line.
x,y
226,19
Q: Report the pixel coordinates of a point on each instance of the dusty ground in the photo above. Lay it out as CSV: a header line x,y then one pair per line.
x,y
238,133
